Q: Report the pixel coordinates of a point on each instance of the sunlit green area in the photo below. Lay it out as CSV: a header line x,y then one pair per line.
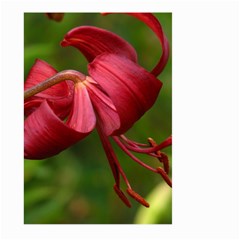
x,y
76,186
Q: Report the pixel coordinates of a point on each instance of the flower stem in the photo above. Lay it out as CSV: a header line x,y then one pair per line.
x,y
70,75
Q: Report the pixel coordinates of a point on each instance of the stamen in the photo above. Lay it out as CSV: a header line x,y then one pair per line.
x,y
165,162
155,155
132,143
113,159
137,197
164,176
110,156
116,168
162,145
124,148
154,144
122,195
127,142
161,156
162,172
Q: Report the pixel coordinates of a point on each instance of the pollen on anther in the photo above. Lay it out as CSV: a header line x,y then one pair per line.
x,y
154,144
122,196
137,197
164,176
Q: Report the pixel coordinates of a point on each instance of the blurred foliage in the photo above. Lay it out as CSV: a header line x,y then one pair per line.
x,y
76,186
160,210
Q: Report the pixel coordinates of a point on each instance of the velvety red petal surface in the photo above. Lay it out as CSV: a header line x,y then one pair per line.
x,y
152,22
31,105
41,71
45,135
93,41
107,116
59,96
82,117
131,88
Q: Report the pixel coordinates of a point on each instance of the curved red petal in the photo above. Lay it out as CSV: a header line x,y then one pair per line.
x,y
107,115
46,135
152,22
31,105
59,96
93,41
82,117
131,88
41,71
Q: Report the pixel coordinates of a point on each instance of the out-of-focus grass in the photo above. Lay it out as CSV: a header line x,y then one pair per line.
x,y
76,185
161,207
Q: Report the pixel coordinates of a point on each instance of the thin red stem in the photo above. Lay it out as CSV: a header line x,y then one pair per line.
x,y
70,75
133,143
137,197
164,176
112,157
121,195
123,147
164,144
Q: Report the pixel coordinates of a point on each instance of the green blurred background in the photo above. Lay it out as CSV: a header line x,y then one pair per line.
x,y
76,186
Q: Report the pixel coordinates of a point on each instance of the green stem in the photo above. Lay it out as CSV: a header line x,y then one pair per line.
x,y
70,75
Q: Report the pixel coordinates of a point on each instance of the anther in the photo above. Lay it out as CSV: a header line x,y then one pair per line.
x,y
164,176
154,144
165,162
137,197
121,195
162,157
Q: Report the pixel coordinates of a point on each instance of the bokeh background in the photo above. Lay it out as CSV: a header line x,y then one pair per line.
x,y
76,186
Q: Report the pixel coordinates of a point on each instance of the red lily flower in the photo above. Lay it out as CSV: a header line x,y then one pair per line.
x,y
116,84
